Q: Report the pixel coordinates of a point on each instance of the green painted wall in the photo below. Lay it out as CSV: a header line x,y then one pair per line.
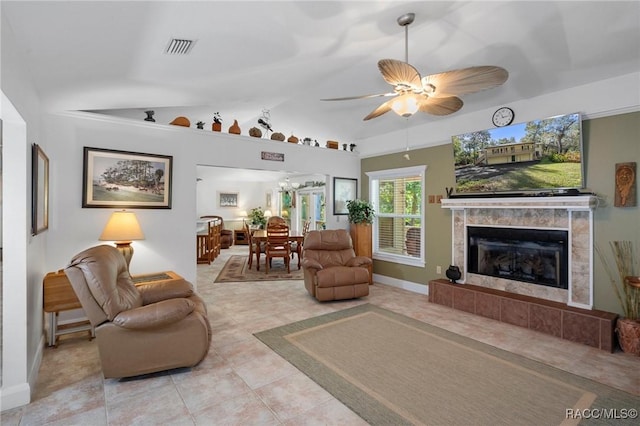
x,y
437,230
607,141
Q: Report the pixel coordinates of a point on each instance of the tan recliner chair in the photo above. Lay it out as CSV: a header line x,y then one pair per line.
x,y
142,329
332,271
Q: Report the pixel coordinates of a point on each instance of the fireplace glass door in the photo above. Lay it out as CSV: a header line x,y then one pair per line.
x,y
528,255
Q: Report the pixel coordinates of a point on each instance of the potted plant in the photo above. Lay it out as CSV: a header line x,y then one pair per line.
x,y
626,286
361,214
256,216
216,126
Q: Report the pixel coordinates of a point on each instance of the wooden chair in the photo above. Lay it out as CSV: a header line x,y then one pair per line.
x,y
206,243
278,245
254,248
276,220
297,247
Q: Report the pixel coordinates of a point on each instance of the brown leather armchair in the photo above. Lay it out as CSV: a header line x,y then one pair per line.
x,y
142,329
226,235
332,271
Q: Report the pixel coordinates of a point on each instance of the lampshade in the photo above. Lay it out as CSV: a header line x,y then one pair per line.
x,y
243,213
267,213
122,226
405,105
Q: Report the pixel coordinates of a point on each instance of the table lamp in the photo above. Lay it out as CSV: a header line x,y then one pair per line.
x,y
122,228
243,215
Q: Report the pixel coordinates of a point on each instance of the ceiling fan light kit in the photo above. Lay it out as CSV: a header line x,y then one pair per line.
x,y
436,94
405,105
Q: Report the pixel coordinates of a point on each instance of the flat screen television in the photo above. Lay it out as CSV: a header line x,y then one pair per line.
x,y
537,157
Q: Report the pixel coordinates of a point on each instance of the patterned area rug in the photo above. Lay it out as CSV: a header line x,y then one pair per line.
x,y
237,270
393,370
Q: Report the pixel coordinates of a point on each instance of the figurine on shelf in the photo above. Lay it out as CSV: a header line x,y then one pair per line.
x,y
181,121
217,122
149,116
200,124
235,128
255,132
453,273
265,121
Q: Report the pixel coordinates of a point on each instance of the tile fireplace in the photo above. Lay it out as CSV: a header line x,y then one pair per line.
x,y
534,246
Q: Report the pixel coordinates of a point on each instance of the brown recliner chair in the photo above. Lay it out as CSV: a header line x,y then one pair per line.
x,y
226,235
332,271
142,329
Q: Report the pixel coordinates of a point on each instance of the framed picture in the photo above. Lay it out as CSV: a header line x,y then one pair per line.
x,y
228,199
124,179
39,190
268,200
344,189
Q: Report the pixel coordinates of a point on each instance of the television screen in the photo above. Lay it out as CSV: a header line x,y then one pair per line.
x,y
537,156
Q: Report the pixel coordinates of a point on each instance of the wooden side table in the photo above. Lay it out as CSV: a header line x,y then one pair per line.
x,y
59,296
240,237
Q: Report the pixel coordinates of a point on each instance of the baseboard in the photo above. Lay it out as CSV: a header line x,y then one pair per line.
x,y
15,396
405,285
32,377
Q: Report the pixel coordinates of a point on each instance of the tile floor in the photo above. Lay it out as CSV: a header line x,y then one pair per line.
x,y
242,382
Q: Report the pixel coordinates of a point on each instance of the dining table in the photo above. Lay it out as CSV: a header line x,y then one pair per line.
x,y
260,236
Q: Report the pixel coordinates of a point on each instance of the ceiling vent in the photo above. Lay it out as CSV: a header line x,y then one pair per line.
x,y
179,46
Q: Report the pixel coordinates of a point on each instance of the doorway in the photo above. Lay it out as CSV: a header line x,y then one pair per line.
x,y
312,208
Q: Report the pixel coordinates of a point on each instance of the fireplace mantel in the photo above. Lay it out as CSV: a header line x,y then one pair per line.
x,y
571,213
578,202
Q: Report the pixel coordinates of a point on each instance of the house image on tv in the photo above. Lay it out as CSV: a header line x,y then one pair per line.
x,y
508,153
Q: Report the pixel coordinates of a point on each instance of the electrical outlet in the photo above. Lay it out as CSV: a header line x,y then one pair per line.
x,y
438,269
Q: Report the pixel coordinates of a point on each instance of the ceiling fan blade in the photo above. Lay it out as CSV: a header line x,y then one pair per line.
x,y
397,72
384,108
348,98
465,80
439,106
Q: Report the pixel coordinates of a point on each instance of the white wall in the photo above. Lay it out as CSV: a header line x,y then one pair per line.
x,y
23,266
250,195
252,187
170,234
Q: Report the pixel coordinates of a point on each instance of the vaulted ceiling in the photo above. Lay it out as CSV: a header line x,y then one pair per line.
x,y
109,56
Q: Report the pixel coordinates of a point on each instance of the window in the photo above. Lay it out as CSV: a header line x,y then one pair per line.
x,y
396,196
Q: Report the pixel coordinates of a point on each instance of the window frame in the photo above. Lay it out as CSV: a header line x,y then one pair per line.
x,y
404,172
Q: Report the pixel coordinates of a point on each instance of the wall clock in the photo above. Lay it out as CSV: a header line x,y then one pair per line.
x,y
503,117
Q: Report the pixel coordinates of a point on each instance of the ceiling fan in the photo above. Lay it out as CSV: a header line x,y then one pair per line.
x,y
435,94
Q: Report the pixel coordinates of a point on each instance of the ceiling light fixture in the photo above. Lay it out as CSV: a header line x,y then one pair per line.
x,y
286,186
405,105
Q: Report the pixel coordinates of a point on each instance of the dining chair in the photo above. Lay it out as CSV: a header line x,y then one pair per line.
x,y
254,248
278,245
294,245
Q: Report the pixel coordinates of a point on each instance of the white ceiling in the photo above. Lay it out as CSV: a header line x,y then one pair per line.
x,y
283,56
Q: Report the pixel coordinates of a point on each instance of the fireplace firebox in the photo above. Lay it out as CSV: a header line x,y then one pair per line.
x,y
528,255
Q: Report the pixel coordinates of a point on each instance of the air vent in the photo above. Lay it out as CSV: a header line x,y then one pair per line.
x,y
179,46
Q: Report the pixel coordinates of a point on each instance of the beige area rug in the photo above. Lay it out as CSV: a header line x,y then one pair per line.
x,y
394,370
237,270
